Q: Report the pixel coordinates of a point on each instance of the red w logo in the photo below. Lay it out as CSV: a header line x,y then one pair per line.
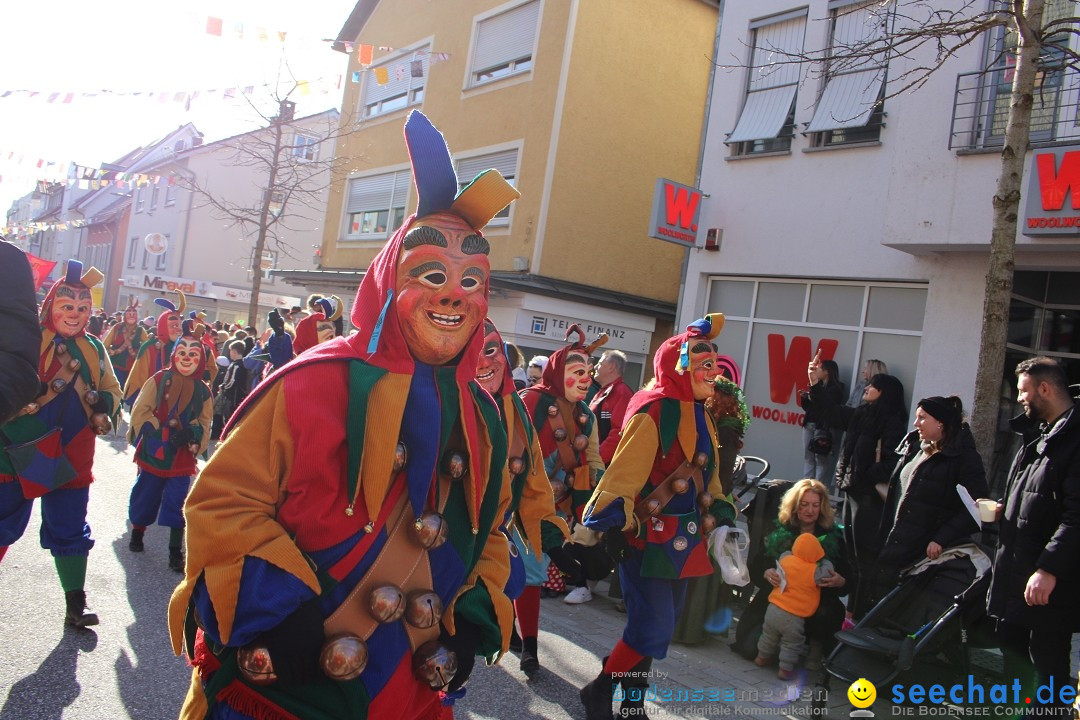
x,y
787,370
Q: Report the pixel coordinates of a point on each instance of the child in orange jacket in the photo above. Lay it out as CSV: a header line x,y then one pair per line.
x,y
796,599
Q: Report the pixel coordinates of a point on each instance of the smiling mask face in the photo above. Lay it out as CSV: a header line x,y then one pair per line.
x,y
576,378
186,356
491,368
70,310
441,283
703,370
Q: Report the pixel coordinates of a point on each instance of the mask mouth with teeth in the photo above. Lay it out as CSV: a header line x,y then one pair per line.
x,y
492,368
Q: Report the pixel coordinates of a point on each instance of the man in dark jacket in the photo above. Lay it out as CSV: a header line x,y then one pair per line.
x,y
1034,589
20,333
609,405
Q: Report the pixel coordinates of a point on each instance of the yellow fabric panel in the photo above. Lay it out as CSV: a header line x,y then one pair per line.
x,y
195,707
483,198
107,382
592,452
231,513
143,410
140,368
206,420
385,408
629,468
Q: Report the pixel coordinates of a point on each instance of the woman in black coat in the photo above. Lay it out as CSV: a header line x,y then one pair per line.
x,y
868,457
820,432
924,513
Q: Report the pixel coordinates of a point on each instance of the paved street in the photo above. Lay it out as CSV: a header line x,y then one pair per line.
x,y
126,669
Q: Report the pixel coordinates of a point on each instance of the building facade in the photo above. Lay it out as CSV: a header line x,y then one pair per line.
x,y
855,218
565,100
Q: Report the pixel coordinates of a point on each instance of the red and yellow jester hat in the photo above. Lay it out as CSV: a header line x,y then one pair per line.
x,y
163,318
380,336
307,330
551,382
671,363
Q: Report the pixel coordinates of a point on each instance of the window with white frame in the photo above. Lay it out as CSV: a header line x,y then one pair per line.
x,y
850,108
133,252
154,197
305,147
504,43
376,205
395,83
767,120
162,260
171,192
505,162
140,199
145,259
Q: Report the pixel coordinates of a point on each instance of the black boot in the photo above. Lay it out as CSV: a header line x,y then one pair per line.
x,y
76,615
176,560
596,697
635,684
136,542
529,662
515,639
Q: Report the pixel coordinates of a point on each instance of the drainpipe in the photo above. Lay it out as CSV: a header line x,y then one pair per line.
x,y
701,158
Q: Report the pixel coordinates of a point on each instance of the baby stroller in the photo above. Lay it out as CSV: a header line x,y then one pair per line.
x,y
930,621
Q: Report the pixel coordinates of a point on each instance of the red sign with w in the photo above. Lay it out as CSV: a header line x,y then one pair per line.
x,y
40,268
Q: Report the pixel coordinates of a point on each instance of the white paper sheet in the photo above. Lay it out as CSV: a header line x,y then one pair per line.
x,y
969,503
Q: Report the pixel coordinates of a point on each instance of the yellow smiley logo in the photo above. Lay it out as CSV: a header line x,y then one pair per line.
x,y
862,693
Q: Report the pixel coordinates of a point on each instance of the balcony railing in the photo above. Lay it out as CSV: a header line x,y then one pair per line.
x,y
981,108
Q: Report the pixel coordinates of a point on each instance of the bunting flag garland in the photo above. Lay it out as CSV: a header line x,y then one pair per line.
x,y
382,75
322,85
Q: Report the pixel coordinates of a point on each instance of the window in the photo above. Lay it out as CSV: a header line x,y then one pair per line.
x,y
305,147
405,74
133,252
376,205
154,197
139,199
269,262
767,121
504,43
277,203
849,109
504,162
170,194
162,260
145,259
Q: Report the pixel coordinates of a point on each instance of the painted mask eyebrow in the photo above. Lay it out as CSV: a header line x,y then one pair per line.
x,y
427,267
702,348
475,245
424,235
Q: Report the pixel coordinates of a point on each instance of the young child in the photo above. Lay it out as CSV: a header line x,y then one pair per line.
x,y
791,603
170,425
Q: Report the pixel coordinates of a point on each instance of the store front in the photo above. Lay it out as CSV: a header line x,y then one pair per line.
x,y
219,302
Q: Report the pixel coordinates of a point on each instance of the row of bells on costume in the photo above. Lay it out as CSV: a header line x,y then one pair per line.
x,y
581,441
681,486
344,656
98,421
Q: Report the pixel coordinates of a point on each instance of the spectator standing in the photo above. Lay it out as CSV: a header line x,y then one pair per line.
x,y
821,436
21,333
1035,584
609,405
870,369
535,371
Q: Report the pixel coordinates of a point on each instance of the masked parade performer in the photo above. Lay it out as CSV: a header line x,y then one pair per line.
x,y
344,552
533,526
320,326
154,354
123,341
50,446
170,426
568,441
663,490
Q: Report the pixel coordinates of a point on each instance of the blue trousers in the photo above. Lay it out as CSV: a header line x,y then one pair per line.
x,y
64,530
653,607
158,497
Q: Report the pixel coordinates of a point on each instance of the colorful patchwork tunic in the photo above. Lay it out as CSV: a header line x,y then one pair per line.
x,y
150,428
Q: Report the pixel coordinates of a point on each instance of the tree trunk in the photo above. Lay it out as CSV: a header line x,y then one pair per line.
x,y
260,237
999,276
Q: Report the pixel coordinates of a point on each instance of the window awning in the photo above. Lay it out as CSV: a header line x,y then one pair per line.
x,y
764,114
848,100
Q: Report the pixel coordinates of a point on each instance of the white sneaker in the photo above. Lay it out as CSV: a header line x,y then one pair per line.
x,y
578,596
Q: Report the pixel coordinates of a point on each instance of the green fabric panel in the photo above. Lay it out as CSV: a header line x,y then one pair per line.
x,y
362,378
540,414
176,538
550,536
668,426
476,607
72,571
446,382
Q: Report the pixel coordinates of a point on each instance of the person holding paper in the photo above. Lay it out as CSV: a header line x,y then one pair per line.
x,y
924,513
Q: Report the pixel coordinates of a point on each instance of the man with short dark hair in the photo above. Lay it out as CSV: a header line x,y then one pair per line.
x,y
1034,588
609,405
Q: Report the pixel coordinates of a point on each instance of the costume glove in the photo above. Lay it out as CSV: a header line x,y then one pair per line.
x,y
616,545
182,438
294,645
561,558
464,645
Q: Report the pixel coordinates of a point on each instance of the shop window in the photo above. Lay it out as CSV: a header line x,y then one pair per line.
x,y
896,308
504,44
133,252
780,301
835,304
731,297
305,147
767,121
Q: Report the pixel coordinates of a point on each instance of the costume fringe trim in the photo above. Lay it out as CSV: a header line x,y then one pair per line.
x,y
244,700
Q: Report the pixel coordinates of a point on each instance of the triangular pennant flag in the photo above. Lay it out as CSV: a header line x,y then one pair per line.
x,y
382,76
213,26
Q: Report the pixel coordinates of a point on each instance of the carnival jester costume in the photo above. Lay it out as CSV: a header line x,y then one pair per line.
x,y
123,340
170,426
363,481
49,448
153,355
661,496
532,524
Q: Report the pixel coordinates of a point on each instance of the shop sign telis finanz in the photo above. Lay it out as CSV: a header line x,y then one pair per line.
x,y
553,327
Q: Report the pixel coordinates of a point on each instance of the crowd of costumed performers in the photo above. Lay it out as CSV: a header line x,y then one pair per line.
x,y
124,340
50,444
344,555
169,427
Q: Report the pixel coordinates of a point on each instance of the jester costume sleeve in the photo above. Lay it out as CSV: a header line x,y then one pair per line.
x,y
327,459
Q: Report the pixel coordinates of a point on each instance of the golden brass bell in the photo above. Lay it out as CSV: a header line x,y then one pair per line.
x,y
174,423
516,465
583,419
560,434
708,524
61,349
387,603
455,464
74,364
58,385
559,491
680,485
434,664
652,506
101,423
700,459
423,609
343,657
255,665
553,411
704,499
91,397
401,456
580,442
430,530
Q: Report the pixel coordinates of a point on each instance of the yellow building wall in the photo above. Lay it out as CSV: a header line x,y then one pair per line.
x,y
633,112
